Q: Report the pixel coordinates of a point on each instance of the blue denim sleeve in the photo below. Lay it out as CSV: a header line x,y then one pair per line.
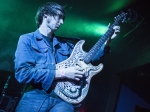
x,y
26,71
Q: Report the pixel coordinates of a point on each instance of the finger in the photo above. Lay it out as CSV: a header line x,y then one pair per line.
x,y
79,76
116,27
80,72
77,79
117,30
80,69
116,33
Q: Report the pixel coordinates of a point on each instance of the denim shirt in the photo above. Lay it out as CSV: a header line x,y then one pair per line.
x,y
35,59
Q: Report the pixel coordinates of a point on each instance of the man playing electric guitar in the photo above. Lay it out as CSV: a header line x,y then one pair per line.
x,y
37,59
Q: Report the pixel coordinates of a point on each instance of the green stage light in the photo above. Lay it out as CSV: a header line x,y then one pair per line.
x,y
76,26
99,29
116,5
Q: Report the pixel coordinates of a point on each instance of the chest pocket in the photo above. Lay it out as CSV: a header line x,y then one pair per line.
x,y
62,55
64,52
40,54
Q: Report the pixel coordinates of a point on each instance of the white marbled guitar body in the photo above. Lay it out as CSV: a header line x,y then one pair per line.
x,y
71,91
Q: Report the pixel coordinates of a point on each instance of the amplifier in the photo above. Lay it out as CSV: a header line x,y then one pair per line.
x,y
7,103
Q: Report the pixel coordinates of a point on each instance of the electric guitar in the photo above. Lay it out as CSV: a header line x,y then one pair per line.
x,y
73,91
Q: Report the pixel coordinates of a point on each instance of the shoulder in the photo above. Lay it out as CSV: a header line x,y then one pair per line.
x,y
27,38
66,42
70,41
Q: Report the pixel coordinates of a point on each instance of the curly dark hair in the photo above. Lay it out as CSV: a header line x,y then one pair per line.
x,y
49,8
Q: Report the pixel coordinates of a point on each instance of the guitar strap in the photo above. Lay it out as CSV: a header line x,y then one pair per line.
x,y
74,39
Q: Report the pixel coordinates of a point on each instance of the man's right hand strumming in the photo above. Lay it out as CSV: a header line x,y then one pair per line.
x,y
73,73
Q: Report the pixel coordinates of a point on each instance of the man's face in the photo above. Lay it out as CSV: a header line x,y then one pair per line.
x,y
54,22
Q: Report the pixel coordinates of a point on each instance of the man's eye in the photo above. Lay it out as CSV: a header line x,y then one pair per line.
x,y
55,17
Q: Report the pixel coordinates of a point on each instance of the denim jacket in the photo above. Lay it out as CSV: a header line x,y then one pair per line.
x,y
35,59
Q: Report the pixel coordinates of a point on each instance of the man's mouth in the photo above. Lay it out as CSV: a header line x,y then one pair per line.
x,y
57,26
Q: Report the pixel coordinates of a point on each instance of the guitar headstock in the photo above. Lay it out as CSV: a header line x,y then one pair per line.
x,y
126,15
121,18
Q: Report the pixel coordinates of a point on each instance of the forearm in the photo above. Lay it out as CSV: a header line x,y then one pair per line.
x,y
60,74
34,75
108,42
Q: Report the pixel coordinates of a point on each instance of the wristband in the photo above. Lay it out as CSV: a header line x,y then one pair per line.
x,y
62,73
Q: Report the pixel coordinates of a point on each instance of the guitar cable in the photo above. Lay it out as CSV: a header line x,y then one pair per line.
x,y
42,103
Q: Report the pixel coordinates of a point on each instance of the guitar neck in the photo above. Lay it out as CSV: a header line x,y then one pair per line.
x,y
99,44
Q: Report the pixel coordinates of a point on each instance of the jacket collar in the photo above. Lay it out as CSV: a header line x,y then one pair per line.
x,y
40,37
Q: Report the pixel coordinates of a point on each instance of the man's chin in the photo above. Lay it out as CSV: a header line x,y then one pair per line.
x,y
54,30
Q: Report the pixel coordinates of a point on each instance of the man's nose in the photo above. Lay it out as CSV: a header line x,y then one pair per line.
x,y
61,21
